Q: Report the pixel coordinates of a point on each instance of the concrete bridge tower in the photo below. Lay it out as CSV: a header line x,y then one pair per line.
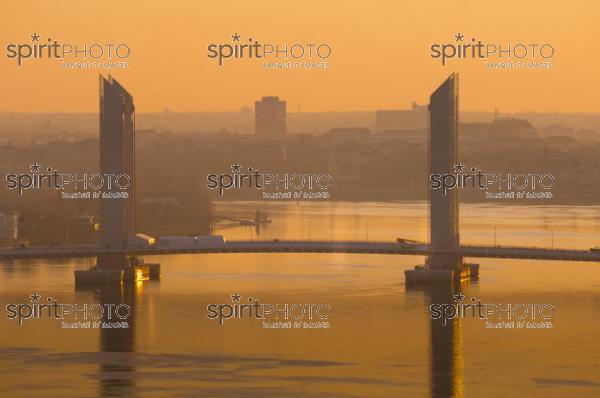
x,y
443,156
444,264
117,158
117,161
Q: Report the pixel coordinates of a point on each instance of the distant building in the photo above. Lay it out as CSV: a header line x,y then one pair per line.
x,y
555,130
9,226
117,156
349,132
345,158
270,116
348,135
80,229
401,119
560,143
501,129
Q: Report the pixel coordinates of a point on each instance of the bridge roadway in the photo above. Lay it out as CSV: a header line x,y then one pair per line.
x,y
289,246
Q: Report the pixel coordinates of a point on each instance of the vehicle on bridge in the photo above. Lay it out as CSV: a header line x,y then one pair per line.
x,y
407,241
190,242
142,241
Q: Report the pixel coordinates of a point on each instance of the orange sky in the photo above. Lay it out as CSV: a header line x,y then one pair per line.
x,y
380,53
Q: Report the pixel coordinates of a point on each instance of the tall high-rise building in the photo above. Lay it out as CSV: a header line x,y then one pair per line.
x,y
270,116
117,157
443,156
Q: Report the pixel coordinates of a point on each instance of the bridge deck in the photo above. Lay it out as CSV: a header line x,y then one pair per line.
x,y
287,246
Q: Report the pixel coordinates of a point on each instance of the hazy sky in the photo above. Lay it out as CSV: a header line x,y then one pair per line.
x,y
380,55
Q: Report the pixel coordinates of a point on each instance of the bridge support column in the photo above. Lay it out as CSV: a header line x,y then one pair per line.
x,y
115,269
424,274
98,277
113,261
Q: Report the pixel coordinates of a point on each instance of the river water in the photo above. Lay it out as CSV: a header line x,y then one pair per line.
x,y
381,340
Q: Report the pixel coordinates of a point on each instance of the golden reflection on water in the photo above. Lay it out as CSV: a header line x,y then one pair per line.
x,y
446,352
382,342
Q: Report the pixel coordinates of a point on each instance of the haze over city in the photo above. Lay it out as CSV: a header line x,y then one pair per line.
x,y
404,211
377,60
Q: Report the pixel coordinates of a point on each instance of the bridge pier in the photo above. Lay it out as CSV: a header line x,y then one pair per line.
x,y
116,269
98,277
426,275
